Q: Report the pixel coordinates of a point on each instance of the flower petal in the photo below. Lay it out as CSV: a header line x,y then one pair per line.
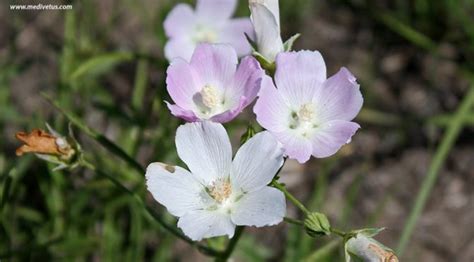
x,y
298,74
182,83
256,162
213,11
206,150
175,188
271,110
180,47
331,136
339,97
180,21
233,33
296,146
228,115
184,114
247,81
264,207
205,223
267,31
215,64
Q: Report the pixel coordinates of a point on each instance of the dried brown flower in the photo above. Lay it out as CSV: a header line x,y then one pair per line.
x,y
41,142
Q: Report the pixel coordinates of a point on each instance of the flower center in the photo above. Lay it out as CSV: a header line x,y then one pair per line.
x,y
205,35
209,96
220,190
306,113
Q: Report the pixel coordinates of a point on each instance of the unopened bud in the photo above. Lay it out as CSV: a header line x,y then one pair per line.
x,y
317,224
363,247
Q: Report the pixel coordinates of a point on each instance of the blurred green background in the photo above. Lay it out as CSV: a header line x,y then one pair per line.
x,y
103,63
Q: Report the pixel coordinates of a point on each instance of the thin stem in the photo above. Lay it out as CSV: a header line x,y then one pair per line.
x,y
338,232
232,244
442,152
288,195
293,221
104,141
204,249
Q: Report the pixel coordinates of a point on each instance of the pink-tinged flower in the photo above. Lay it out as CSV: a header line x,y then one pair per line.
x,y
309,114
210,23
219,193
211,86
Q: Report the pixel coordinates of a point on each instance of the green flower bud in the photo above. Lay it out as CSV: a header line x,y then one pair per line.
x,y
317,224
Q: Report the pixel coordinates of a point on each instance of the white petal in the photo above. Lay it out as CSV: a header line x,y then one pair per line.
x,y
204,224
178,191
206,150
272,5
265,207
267,30
256,162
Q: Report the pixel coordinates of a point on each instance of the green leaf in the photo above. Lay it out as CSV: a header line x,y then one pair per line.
x,y
101,64
288,45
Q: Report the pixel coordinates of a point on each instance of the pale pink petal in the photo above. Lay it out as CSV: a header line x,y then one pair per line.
x,y
339,97
331,136
215,64
182,83
230,114
184,114
271,110
180,21
296,146
180,47
298,74
215,11
233,33
247,81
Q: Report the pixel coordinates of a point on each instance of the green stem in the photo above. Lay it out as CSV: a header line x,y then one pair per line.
x,y
290,197
104,141
442,151
204,249
231,246
338,232
293,221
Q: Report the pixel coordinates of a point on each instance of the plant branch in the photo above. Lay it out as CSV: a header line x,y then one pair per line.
x,y
231,246
104,141
290,197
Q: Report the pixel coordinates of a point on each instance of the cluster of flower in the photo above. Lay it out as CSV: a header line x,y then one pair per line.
x,y
304,113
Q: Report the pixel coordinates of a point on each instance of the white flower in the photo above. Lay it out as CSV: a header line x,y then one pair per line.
x,y
219,193
265,16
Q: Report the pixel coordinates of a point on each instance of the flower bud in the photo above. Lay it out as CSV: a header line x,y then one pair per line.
x,y
362,247
317,224
265,16
50,146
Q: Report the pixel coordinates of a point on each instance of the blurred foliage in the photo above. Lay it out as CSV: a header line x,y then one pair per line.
x,y
46,215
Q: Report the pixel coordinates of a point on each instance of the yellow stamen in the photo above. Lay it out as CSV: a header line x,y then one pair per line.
x,y
306,113
209,96
220,190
